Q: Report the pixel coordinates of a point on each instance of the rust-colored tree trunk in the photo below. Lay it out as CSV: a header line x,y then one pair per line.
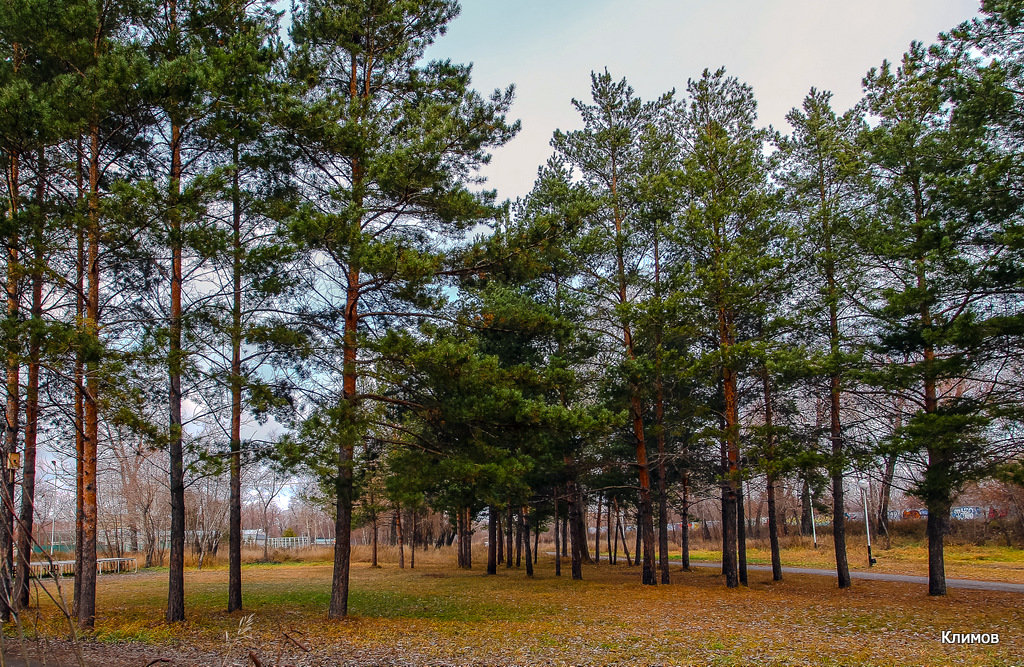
x,y
343,482
86,571
13,361
597,530
645,524
350,345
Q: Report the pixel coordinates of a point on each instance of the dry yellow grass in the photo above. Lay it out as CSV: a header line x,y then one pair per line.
x,y
963,561
436,614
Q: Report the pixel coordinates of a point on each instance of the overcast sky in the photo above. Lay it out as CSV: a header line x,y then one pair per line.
x,y
548,48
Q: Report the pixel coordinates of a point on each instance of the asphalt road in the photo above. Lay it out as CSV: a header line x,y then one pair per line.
x,y
881,576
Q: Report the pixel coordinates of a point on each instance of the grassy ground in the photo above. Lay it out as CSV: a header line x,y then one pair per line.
x,y
436,614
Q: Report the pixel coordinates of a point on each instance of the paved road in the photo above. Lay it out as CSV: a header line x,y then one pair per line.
x,y
881,576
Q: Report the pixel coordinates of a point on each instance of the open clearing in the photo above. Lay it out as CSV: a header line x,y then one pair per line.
x,y
435,614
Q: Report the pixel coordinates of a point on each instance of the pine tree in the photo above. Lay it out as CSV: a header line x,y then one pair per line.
x,y
932,236
389,144
108,68
734,245
823,176
243,52
609,154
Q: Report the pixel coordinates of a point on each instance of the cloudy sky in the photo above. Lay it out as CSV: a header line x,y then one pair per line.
x,y
548,48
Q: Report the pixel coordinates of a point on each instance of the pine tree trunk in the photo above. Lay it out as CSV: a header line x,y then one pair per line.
x,y
730,456
10,441
773,531
509,523
625,544
492,540
342,531
885,494
176,575
580,525
838,497
645,525
685,532
401,538
639,543
519,539
460,552
597,530
769,425
80,309
468,541
805,508
525,518
28,484
662,493
375,539
618,529
412,552
659,420
86,606
558,545
936,528
235,501
565,534
888,474
574,520
741,533
346,451
500,538
536,544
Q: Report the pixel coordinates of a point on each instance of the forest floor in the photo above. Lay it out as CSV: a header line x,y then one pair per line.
x,y
436,614
963,561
